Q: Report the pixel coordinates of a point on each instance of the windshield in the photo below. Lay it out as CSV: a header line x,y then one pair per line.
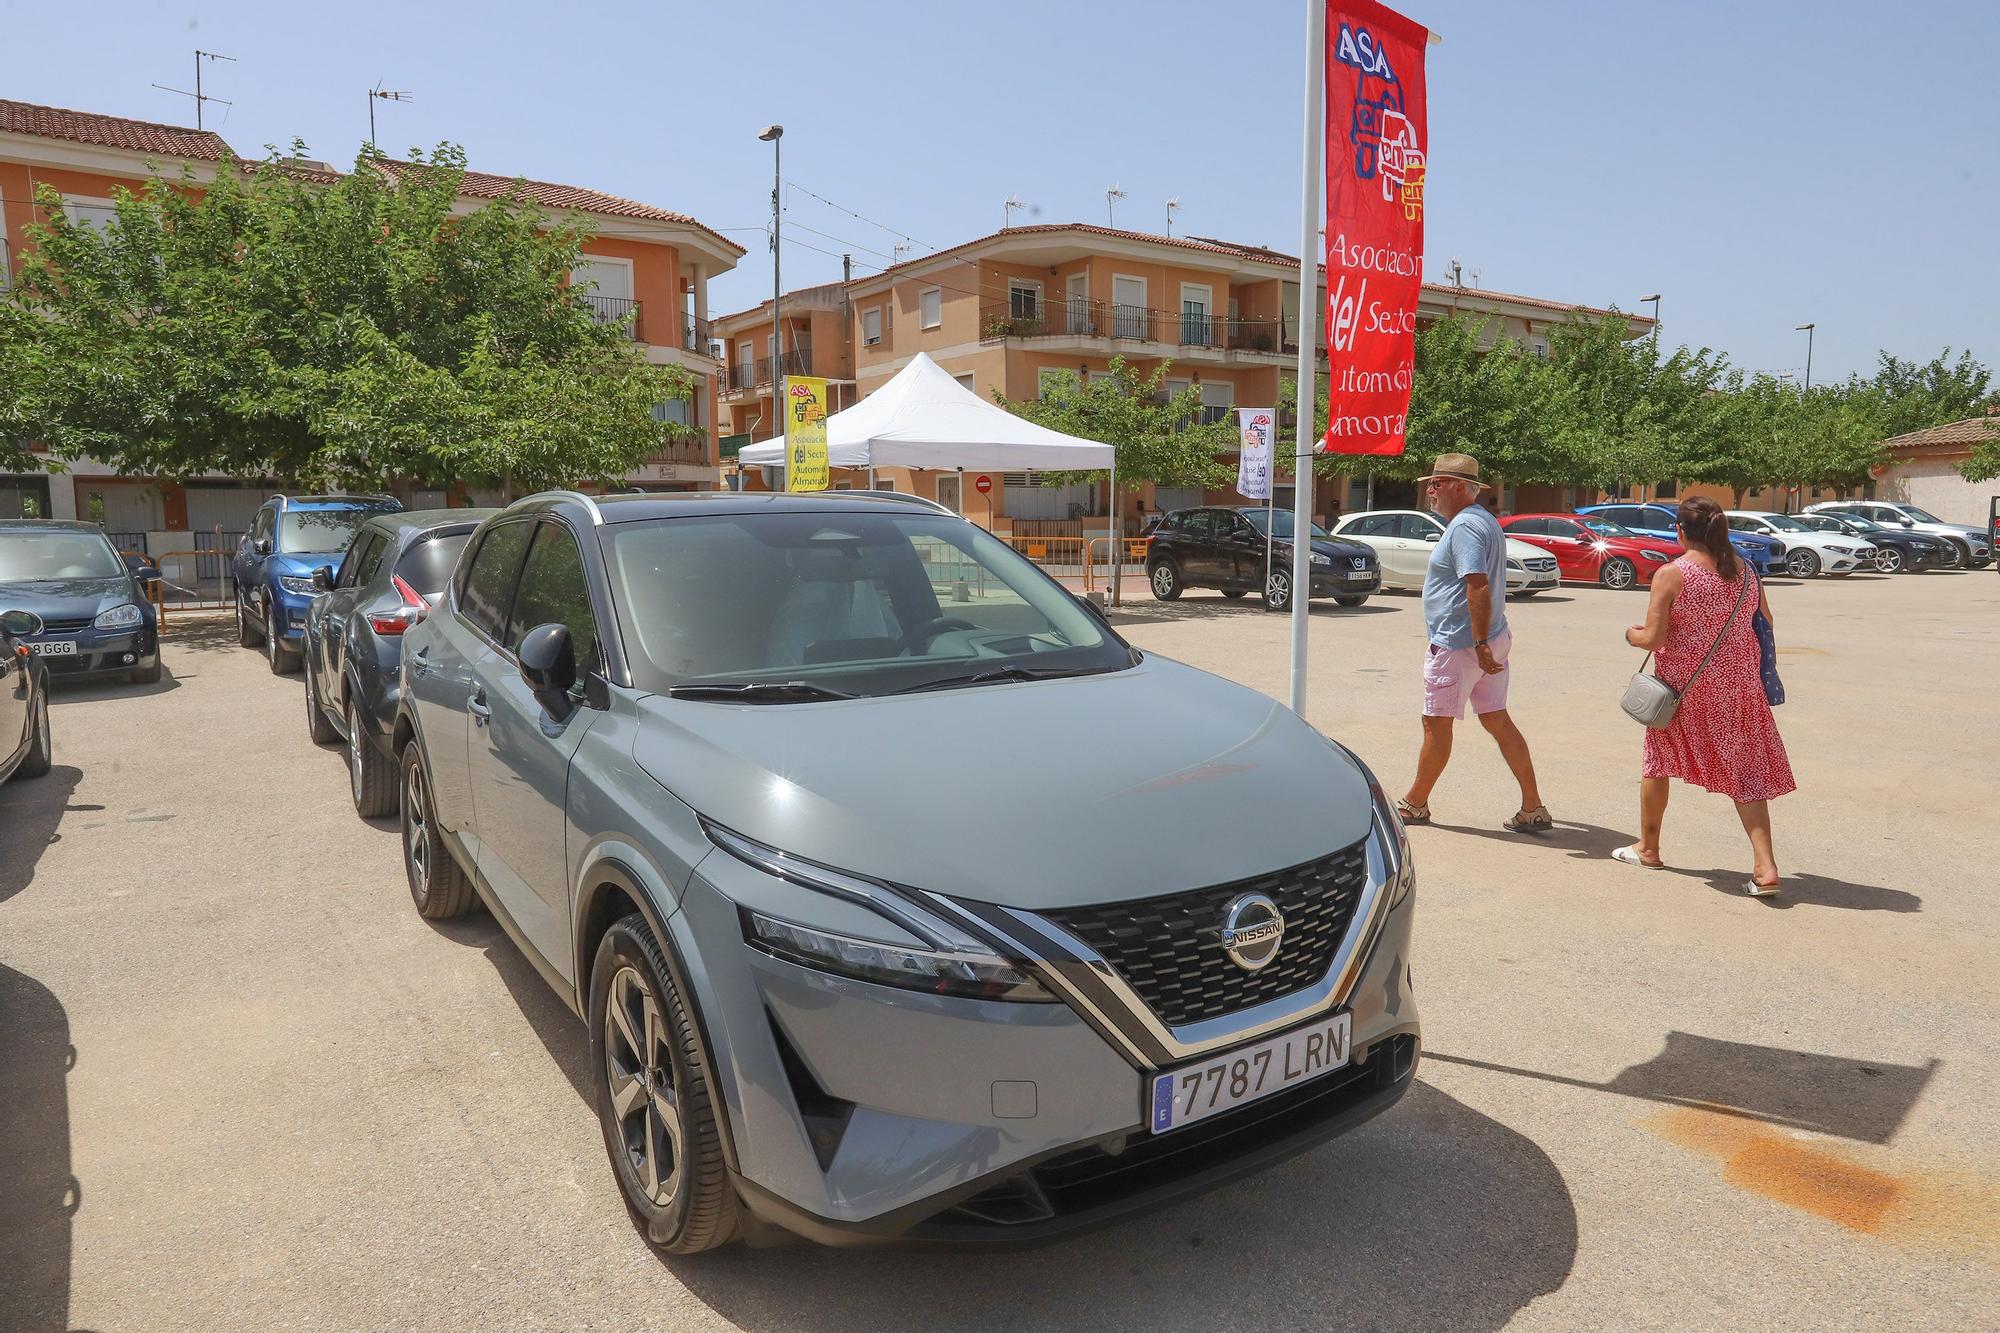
x,y
320,529
1605,527
849,603
1784,523
59,554
1911,511
1850,523
1281,519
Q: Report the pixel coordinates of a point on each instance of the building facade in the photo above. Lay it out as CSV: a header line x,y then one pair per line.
x,y
1922,470
644,264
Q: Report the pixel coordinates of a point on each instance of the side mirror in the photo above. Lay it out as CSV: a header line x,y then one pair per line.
x,y
146,573
20,624
548,665
1430,535
323,578
262,546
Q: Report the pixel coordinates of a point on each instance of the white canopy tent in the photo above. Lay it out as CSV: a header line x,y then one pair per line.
x,y
923,418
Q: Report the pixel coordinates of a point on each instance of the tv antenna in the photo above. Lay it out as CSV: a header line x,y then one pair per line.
x,y
198,95
901,248
377,94
1173,206
1111,198
1012,206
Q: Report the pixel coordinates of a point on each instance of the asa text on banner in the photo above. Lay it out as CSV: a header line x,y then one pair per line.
x,y
806,466
1377,143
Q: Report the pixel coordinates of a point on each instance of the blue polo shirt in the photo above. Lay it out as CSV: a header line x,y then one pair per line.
x,y
1472,544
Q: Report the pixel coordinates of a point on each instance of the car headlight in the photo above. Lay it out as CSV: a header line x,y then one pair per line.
x,y
1844,550
119,617
293,584
953,962
1657,557
1515,564
1319,559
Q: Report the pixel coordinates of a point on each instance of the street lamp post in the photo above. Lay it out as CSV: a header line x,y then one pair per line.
x,y
1807,329
773,134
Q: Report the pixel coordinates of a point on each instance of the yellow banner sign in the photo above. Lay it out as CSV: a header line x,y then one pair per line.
x,y
805,434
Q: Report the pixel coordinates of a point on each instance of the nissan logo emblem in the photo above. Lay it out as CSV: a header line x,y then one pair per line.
x,y
1252,928
1360,561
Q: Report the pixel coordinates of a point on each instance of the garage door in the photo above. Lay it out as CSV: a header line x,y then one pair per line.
x,y
227,507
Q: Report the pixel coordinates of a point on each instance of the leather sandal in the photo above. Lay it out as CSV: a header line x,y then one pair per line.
x,y
1412,814
1536,820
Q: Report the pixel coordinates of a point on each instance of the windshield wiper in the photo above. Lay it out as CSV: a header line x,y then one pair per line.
x,y
1012,673
760,692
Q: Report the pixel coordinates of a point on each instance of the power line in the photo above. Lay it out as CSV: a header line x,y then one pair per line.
x,y
842,208
844,241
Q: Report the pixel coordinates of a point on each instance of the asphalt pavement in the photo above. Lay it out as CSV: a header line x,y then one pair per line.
x,y
244,1086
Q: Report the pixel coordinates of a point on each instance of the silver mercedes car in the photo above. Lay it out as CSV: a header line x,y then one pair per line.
x,y
901,898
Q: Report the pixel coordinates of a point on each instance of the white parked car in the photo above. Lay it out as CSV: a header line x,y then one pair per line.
x,y
1405,538
1808,551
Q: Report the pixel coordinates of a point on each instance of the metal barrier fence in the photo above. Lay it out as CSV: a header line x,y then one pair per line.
x,y
194,580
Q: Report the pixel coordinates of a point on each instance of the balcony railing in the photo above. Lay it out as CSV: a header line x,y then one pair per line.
x,y
614,310
757,374
681,451
1071,317
698,336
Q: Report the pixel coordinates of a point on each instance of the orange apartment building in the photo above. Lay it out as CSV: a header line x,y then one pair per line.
x,y
648,263
1005,312
818,327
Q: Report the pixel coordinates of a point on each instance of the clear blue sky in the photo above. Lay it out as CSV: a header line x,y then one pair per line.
x,y
1759,164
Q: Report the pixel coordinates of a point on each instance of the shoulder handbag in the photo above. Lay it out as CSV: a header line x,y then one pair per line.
x,y
1651,701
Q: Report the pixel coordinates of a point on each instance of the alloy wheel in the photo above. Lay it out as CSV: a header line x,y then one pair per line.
x,y
1619,573
1278,592
1802,564
644,1094
416,825
271,640
1163,580
42,726
354,756
1889,560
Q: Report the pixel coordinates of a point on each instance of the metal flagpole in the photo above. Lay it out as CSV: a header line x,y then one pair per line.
x,y
1270,532
1112,566
1310,167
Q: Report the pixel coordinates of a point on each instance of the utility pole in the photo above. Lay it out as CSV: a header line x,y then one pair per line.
x,y
199,97
774,135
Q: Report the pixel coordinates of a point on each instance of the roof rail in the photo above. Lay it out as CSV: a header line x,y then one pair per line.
x,y
589,504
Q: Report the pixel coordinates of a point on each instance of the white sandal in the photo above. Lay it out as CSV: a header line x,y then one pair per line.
x,y
1756,890
1629,856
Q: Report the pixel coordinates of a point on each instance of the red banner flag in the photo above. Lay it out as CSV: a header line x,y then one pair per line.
x,y
1377,139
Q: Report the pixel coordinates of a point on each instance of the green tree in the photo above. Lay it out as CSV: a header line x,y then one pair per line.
x,y
1907,396
345,331
1157,438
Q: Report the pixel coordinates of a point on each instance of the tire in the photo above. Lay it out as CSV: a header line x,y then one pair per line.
x,y
1955,555
1888,559
246,630
371,775
1166,581
439,885
1233,593
319,728
1350,601
284,661
1617,573
41,749
1278,591
650,1084
146,675
1801,563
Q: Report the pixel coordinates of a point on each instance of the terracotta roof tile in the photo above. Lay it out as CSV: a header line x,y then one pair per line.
x,y
138,136
486,185
1971,431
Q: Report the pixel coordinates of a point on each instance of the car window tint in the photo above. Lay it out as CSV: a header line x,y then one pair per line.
x,y
426,566
1202,525
1416,527
1558,527
489,584
1529,527
350,568
1375,525
554,591
371,559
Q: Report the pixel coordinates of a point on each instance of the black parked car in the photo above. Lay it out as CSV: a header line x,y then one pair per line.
x,y
390,578
96,617
1897,550
24,697
1226,549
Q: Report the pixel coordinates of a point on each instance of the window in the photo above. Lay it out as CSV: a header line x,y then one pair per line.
x,y
1024,298
86,211
930,308
1418,527
1559,528
965,381
871,326
554,592
1538,347
1666,490
427,565
489,583
1048,379
363,559
1217,398
1532,527
1204,525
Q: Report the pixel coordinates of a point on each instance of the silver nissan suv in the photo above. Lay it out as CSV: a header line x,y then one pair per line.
x,y
901,898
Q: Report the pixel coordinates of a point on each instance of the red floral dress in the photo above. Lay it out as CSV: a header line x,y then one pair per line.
x,y
1724,737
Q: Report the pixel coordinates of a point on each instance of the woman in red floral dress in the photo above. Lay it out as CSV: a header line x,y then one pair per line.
x,y
1724,737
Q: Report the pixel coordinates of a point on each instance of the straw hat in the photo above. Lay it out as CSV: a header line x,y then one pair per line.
x,y
1455,467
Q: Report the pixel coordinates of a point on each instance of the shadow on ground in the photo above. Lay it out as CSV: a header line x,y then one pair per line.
x,y
1431,1217
1865,1100
1593,842
561,1032
30,810
38,1195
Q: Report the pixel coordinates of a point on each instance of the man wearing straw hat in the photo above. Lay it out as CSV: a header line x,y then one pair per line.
x,y
1465,612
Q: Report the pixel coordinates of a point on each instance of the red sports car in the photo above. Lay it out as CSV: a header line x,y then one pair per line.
x,y
1594,549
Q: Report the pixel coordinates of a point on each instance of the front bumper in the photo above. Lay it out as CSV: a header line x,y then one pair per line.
x,y
1338,582
1532,580
862,1114
292,609
100,652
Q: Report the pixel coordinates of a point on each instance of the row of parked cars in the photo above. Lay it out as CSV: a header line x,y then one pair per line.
x,y
706,758
1248,548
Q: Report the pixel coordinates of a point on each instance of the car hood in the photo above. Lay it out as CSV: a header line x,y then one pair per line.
x,y
1334,548
1146,781
1520,550
301,564
67,599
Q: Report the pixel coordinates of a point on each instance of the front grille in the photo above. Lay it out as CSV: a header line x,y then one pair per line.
x,y
65,624
1540,566
1169,949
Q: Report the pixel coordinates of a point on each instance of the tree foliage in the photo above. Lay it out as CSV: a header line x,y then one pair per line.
x,y
349,331
1157,438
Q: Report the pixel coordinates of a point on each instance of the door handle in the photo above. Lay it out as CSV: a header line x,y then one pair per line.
x,y
476,705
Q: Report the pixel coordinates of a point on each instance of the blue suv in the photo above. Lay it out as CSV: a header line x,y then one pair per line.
x,y
1765,554
291,536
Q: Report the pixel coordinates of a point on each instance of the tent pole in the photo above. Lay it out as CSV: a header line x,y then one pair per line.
x,y
1310,183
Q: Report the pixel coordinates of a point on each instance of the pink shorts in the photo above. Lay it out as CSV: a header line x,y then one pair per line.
x,y
1452,675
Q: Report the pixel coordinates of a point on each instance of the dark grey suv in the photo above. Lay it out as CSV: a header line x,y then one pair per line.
x,y
901,898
